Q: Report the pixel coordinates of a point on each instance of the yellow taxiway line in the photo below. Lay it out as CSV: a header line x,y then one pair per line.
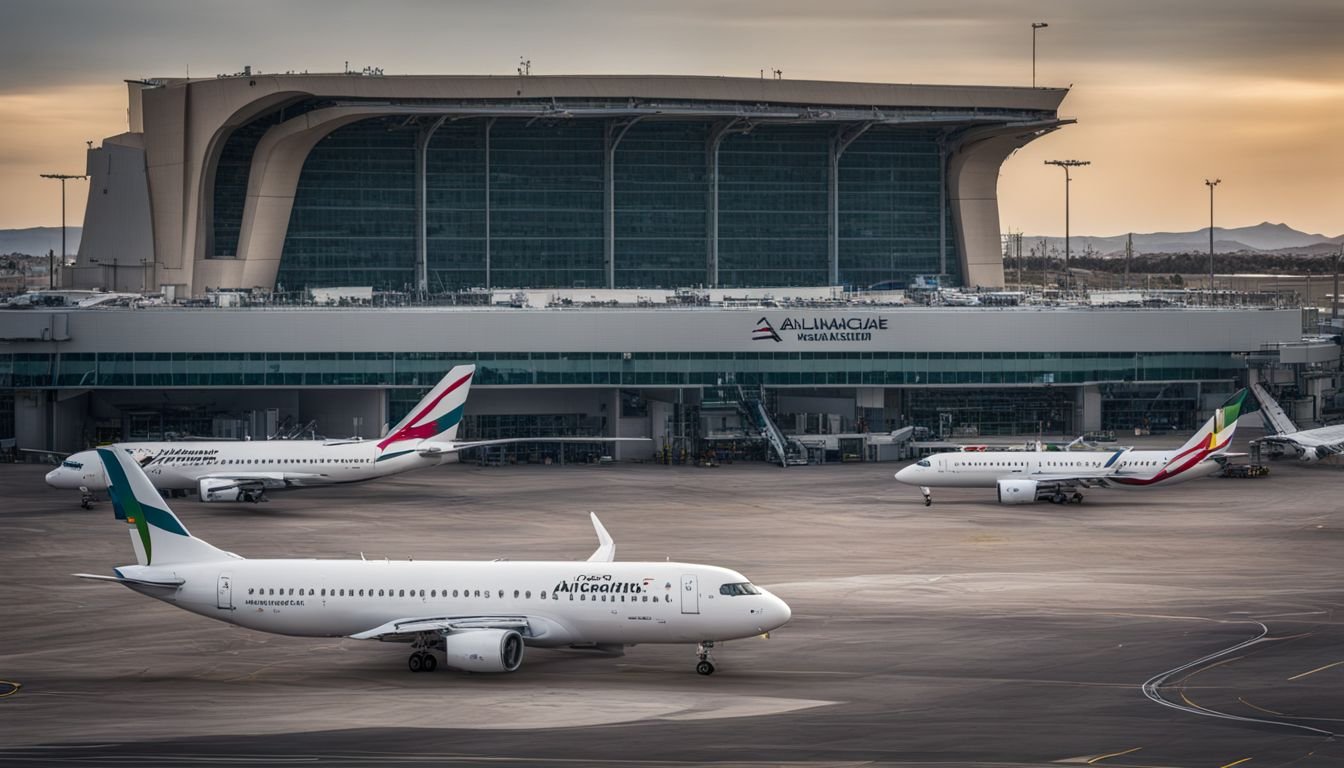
x,y
1318,669
1099,758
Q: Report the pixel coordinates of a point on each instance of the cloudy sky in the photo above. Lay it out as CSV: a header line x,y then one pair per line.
x,y
1166,92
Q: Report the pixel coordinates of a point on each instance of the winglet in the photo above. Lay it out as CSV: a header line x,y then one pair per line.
x,y
606,548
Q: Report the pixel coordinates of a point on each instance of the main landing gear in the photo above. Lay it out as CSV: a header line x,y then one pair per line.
x,y
422,660
1060,497
928,495
705,665
255,497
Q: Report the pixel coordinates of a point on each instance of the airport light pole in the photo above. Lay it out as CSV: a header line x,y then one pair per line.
x,y
1211,185
1035,25
51,277
1066,165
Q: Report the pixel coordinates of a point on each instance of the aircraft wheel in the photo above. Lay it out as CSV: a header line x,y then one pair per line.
x,y
704,668
1058,498
928,502
416,662
430,663
1077,498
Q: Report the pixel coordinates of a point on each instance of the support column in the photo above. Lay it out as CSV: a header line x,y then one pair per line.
x,y
716,136
615,131
421,203
489,124
942,206
837,146
1089,401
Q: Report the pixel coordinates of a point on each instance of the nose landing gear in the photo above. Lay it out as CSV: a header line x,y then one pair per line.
x,y
928,495
705,665
86,498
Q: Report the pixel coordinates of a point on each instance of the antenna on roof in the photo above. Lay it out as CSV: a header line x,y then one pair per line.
x,y
524,67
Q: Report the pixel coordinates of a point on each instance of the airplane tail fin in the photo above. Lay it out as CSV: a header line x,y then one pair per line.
x,y
1216,434
159,538
438,414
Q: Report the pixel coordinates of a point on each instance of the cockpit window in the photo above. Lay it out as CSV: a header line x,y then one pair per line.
x,y
739,589
923,463
72,465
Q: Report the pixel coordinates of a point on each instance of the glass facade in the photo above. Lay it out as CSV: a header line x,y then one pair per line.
x,y
603,369
546,204
998,411
889,209
542,222
773,207
354,216
662,206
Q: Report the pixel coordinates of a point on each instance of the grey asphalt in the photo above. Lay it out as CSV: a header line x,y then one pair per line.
x,y
965,633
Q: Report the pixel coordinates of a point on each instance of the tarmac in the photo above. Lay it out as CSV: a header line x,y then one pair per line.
x,y
1195,625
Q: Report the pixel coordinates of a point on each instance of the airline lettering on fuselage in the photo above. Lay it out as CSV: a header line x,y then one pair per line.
x,y
201,454
603,584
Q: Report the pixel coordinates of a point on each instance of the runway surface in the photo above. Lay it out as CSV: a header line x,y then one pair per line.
x,y
1199,625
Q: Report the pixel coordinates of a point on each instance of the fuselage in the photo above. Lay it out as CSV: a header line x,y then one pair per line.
x,y
564,603
182,465
984,469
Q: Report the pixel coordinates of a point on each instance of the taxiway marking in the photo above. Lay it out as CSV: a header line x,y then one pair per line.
x,y
1318,669
1099,758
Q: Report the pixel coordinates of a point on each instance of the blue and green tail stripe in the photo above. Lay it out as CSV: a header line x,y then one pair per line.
x,y
134,511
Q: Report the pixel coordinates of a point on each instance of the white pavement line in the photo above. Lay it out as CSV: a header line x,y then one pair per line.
x,y
1152,687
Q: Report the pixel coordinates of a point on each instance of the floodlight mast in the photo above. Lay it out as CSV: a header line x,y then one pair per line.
x,y
1066,165
51,272
1035,25
1211,185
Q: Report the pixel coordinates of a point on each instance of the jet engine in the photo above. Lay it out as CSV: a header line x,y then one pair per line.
x,y
484,650
1313,453
216,489
1017,491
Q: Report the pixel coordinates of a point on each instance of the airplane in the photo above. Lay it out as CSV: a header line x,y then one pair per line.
x,y
1309,444
480,616
1025,477
233,470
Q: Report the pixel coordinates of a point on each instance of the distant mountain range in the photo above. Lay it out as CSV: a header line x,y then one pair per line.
x,y
36,241
1263,238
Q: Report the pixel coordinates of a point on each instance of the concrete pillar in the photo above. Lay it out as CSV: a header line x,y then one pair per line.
x,y
32,419
1089,408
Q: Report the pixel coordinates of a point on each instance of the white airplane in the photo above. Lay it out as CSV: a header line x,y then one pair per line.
x,y
1308,444
234,470
1024,477
478,615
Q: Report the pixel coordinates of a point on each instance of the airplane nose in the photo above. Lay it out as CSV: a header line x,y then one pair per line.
x,y
904,474
53,476
778,613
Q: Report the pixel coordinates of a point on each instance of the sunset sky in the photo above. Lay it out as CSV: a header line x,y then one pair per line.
x,y
1165,93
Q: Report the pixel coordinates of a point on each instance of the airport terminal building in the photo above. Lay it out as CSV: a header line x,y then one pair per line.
x,y
434,184
682,376
781,199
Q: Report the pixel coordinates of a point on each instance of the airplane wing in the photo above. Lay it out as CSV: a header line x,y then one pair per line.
x,y
1323,441
53,457
438,449
1066,481
261,479
406,630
